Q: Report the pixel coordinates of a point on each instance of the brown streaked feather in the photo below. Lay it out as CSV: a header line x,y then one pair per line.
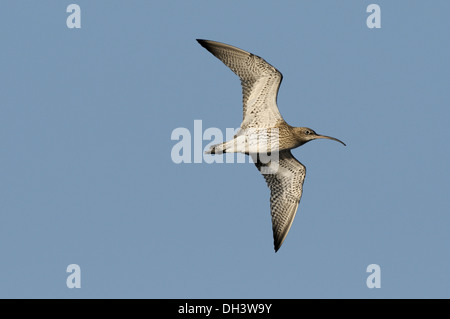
x,y
260,83
285,182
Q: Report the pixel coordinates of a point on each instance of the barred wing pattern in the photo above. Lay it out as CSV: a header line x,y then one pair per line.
x,y
285,182
260,83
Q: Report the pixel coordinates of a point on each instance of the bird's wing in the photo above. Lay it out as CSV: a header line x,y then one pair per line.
x,y
285,178
260,82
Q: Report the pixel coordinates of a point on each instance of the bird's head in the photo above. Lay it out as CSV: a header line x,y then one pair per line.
x,y
305,134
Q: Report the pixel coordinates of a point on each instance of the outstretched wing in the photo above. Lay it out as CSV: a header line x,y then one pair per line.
x,y
260,82
285,178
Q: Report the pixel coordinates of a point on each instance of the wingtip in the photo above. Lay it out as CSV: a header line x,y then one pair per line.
x,y
279,240
201,41
276,247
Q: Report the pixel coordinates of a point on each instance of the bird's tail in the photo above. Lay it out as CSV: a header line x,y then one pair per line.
x,y
236,145
217,149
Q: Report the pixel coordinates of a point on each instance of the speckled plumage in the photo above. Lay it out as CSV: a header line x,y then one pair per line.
x,y
286,187
262,121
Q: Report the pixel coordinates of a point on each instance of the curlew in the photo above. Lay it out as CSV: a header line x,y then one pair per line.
x,y
264,131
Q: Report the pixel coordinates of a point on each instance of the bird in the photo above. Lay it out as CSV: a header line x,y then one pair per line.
x,y
263,123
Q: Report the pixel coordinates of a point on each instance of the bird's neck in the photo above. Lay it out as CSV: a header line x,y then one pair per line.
x,y
289,137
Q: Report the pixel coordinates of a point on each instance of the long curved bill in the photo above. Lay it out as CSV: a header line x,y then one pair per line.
x,y
331,138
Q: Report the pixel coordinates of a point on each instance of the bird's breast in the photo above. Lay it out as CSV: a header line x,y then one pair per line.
x,y
266,140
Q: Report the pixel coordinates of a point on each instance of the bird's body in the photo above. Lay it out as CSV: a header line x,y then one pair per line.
x,y
263,131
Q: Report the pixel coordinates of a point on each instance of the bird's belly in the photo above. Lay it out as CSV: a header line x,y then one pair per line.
x,y
257,141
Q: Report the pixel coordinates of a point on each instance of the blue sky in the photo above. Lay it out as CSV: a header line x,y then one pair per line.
x,y
86,175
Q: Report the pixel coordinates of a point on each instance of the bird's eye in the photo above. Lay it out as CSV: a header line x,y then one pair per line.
x,y
307,132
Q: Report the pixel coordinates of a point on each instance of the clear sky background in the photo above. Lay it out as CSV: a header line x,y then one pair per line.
x,y
86,175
